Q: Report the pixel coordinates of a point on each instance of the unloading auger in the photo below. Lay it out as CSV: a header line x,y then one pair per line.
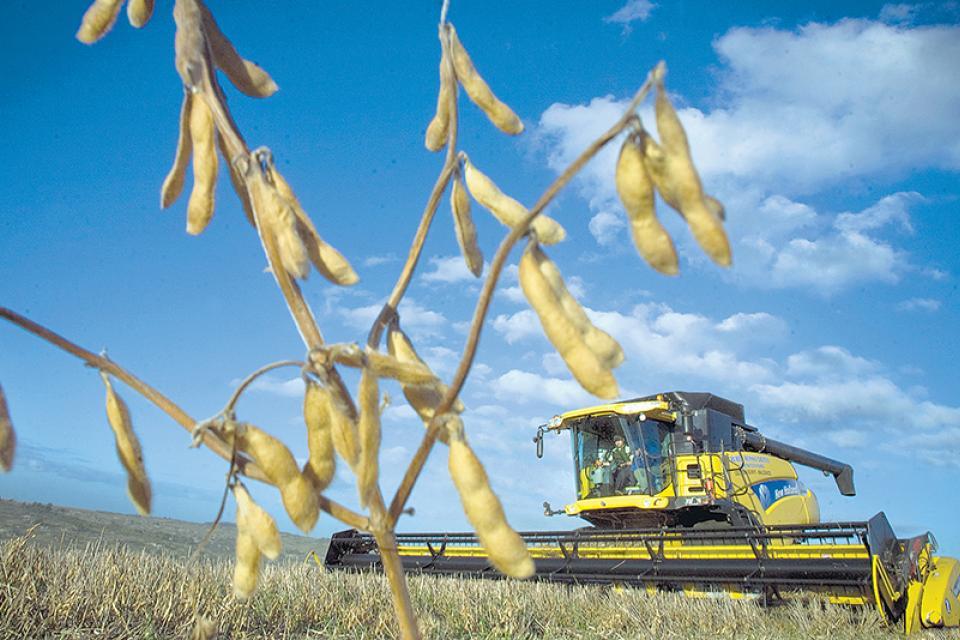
x,y
682,494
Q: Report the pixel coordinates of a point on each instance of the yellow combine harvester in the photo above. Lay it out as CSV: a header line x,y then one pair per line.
x,y
684,495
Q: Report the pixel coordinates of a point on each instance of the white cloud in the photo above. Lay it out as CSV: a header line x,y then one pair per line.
x,y
842,86
513,294
632,11
786,244
874,399
788,121
553,364
606,227
401,412
929,305
414,318
523,387
518,326
448,270
441,359
828,362
825,394
756,324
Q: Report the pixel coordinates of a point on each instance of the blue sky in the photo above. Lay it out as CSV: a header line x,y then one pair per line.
x,y
831,131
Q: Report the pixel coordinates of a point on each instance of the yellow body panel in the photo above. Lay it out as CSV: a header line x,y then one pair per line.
x,y
742,478
940,605
656,409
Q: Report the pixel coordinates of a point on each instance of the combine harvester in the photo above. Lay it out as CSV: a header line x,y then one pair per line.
x,y
682,494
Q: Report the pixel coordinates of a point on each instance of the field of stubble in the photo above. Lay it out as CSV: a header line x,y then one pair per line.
x,y
110,592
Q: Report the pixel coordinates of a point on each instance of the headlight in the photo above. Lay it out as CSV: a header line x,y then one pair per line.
x,y
555,422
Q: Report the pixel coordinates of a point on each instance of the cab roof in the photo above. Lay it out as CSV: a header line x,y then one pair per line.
x,y
663,406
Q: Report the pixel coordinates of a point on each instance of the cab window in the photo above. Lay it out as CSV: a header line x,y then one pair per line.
x,y
621,455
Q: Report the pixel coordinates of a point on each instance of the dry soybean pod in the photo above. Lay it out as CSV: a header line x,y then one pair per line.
x,y
98,20
128,448
583,363
247,567
322,463
343,431
637,195
8,437
139,12
246,76
678,182
328,261
408,373
506,549
203,133
476,87
280,467
277,217
423,398
463,225
599,341
270,454
173,183
507,210
257,523
438,129
300,501
368,469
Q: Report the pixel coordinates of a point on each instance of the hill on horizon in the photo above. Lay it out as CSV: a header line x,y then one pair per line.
x,y
56,527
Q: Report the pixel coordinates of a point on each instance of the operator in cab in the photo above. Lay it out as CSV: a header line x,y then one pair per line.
x,y
620,459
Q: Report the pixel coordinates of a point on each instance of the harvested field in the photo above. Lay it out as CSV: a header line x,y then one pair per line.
x,y
105,591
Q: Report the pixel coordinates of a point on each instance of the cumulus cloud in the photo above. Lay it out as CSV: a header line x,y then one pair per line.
x,y
789,121
826,102
524,387
828,362
825,392
607,227
414,317
663,340
448,270
517,326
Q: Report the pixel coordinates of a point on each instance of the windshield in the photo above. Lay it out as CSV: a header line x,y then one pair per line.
x,y
621,455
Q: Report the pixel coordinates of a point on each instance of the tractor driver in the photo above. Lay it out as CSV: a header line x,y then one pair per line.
x,y
620,458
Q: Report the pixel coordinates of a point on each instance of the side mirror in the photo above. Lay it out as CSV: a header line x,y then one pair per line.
x,y
538,439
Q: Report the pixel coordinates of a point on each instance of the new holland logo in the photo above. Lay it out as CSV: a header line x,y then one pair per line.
x,y
771,491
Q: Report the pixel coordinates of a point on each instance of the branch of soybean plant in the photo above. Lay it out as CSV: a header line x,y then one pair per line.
x,y
213,442
187,14
486,295
181,417
389,309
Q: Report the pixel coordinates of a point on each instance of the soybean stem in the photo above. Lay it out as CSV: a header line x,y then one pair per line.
x,y
389,310
310,333
486,295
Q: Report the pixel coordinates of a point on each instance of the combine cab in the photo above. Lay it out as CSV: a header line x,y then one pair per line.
x,y
684,495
